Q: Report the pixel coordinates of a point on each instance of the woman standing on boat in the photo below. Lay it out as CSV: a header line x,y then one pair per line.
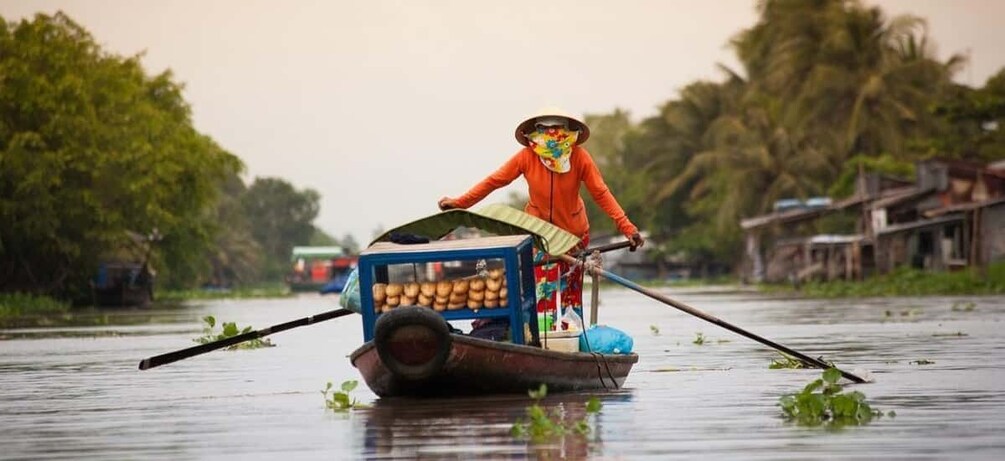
x,y
555,164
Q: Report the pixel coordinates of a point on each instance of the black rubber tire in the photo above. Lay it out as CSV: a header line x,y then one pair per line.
x,y
412,316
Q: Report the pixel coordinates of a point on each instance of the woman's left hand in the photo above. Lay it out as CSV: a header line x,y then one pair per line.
x,y
636,241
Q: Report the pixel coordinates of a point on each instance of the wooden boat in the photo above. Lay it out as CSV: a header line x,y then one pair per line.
x,y
121,284
412,350
419,360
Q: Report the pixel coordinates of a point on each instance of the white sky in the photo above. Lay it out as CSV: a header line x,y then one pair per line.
x,y
385,106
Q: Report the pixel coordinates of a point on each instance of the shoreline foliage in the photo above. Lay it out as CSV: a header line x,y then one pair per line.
x,y
15,305
905,282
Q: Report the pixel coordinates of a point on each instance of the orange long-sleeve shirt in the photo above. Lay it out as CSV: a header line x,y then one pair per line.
x,y
554,197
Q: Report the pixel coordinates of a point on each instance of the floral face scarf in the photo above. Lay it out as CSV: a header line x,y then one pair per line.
x,y
553,145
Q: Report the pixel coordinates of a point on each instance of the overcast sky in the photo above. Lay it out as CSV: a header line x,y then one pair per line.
x,y
385,106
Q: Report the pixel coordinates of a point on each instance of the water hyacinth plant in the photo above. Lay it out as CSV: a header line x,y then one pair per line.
x,y
542,425
786,362
339,401
229,329
822,403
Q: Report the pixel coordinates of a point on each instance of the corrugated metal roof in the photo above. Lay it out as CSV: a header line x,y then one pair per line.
x,y
903,195
803,214
963,207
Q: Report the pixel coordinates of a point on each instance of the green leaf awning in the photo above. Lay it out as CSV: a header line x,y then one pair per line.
x,y
498,219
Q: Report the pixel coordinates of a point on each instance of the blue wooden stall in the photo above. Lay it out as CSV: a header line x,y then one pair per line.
x,y
515,252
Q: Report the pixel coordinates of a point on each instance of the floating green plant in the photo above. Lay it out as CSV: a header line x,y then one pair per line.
x,y
786,362
921,362
655,330
339,401
968,306
542,425
822,403
699,338
958,333
229,329
675,370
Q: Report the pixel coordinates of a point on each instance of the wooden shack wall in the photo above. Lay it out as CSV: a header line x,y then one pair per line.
x,y
992,229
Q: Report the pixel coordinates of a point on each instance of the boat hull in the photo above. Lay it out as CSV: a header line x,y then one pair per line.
x,y
475,366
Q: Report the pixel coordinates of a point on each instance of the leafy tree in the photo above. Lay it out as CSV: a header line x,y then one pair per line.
x,y
235,257
973,123
91,149
281,217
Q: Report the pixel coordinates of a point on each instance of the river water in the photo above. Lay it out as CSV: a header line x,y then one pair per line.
x,y
72,390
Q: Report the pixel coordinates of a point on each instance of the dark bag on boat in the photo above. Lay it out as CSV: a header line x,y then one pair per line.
x,y
493,330
605,340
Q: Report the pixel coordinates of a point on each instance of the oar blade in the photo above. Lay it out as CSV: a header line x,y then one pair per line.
x,y
193,351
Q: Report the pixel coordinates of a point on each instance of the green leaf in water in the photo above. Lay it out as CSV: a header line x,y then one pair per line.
x,y
832,375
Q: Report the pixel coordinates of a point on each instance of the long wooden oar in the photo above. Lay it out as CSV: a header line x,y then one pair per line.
x,y
709,318
193,351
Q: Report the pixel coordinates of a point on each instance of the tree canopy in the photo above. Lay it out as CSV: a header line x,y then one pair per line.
x,y
92,150
95,154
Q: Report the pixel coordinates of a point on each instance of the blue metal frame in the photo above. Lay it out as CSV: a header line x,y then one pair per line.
x,y
520,308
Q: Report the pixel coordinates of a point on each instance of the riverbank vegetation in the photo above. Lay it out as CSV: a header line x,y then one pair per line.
x,y
906,282
14,305
265,290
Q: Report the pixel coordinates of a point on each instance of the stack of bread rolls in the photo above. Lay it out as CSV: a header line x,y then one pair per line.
x,y
473,293
495,289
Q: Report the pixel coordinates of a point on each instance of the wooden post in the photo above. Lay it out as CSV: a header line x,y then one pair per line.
x,y
977,258
594,297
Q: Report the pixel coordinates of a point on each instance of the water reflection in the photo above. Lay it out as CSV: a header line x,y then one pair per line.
x,y
478,426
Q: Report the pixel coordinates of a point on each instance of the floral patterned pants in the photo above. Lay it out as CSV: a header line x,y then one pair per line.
x,y
559,276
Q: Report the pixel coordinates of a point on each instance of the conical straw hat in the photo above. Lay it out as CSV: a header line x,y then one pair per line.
x,y
574,124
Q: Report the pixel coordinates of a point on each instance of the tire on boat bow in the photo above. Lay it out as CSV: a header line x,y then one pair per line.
x,y
412,342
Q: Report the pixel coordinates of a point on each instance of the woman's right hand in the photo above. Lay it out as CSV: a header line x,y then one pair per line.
x,y
447,203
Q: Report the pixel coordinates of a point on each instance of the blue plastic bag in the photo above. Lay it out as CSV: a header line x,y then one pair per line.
x,y
349,299
605,340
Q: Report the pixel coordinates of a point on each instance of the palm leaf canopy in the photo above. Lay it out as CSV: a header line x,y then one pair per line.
x,y
498,219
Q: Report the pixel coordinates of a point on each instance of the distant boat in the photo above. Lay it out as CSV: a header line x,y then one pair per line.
x,y
123,284
314,268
